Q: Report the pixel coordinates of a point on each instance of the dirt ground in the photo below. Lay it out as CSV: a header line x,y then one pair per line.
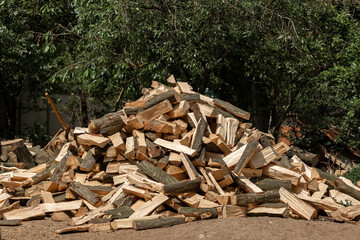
x,y
259,228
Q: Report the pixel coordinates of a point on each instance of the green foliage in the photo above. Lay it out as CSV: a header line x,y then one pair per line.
x,y
37,134
277,59
353,175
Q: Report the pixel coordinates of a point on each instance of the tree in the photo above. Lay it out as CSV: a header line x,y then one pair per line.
x,y
24,63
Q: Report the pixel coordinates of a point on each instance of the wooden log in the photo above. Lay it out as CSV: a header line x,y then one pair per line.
x,y
156,173
341,198
88,162
246,156
23,155
221,126
189,167
156,110
231,129
309,158
15,222
183,186
281,148
298,206
108,124
175,147
184,87
117,141
127,223
324,204
346,213
232,109
230,211
81,228
269,211
274,184
263,157
159,126
264,141
190,97
245,183
130,152
202,213
120,212
232,159
277,172
157,223
84,192
26,213
150,206
88,140
271,196
250,172
179,110
43,175
200,129
170,95
346,186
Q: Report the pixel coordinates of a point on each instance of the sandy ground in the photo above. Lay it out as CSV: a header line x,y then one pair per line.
x,y
259,228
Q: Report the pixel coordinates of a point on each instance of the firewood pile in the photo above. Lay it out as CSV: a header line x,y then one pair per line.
x,y
173,156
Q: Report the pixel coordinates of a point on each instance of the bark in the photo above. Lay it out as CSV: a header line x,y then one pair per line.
x,y
84,109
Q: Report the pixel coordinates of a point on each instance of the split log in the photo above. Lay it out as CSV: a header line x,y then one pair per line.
x,y
270,211
346,186
88,162
159,126
277,172
245,183
232,109
23,155
200,129
202,213
246,156
149,206
156,110
84,192
298,206
156,173
309,158
15,222
230,211
157,223
120,213
183,186
175,147
271,196
262,158
117,141
189,167
88,140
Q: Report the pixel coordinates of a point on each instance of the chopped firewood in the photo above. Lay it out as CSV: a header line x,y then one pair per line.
x,y
175,147
93,140
117,141
232,109
156,173
183,186
300,207
346,186
157,222
270,211
246,156
230,211
81,228
203,213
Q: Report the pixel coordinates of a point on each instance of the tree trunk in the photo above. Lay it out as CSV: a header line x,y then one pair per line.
x,y
10,116
84,109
